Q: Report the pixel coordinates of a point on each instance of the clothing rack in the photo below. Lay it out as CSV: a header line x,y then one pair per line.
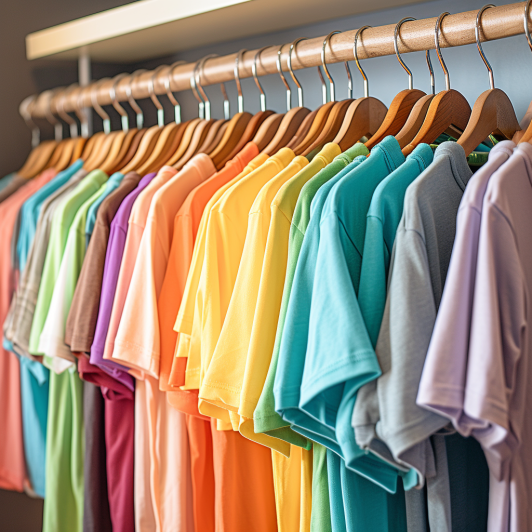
x,y
415,36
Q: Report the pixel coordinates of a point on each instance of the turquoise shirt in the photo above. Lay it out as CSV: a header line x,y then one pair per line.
x,y
4,181
31,209
112,184
326,282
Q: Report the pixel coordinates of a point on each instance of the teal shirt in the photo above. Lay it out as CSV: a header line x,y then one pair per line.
x,y
111,185
4,181
31,209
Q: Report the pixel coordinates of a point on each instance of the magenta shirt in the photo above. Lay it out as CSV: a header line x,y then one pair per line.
x,y
113,259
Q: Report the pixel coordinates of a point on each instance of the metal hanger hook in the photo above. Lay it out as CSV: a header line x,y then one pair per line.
x,y
396,47
60,108
82,117
238,59
527,16
256,78
98,108
437,30
431,72
131,100
170,94
26,115
280,70
199,73
119,109
197,95
364,77
479,46
326,42
296,81
58,126
153,96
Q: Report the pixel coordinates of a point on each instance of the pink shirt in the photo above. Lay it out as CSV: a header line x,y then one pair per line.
x,y
12,467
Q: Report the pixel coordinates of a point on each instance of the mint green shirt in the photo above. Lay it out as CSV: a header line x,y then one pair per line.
x,y
62,219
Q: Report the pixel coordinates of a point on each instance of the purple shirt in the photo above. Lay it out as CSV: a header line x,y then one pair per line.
x,y
113,259
495,389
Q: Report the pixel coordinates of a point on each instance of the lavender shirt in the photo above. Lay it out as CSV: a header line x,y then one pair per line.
x,y
113,259
496,398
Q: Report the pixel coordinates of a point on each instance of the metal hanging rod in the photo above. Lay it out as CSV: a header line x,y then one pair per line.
x,y
418,35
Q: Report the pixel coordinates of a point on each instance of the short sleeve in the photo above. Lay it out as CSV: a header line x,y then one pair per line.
x,y
407,325
443,381
497,333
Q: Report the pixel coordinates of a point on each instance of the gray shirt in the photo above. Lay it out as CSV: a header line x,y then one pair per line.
x,y
17,325
386,418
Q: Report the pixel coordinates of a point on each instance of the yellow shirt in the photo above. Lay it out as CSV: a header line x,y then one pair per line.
x,y
185,317
226,230
223,378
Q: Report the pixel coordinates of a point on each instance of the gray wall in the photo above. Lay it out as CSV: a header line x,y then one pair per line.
x,y
510,58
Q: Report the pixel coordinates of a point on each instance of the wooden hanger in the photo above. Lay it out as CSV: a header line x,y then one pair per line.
x,y
208,147
337,113
364,115
236,126
214,132
294,117
402,104
41,151
198,137
447,108
128,150
259,129
493,112
419,111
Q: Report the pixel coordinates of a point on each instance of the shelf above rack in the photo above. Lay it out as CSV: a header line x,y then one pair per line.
x,y
154,28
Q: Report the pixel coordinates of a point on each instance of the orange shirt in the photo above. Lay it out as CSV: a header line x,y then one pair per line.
x,y
186,225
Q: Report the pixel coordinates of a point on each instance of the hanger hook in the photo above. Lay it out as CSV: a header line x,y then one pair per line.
x,y
364,77
479,46
120,110
82,117
256,78
527,16
280,70
296,81
98,108
239,58
431,72
58,126
132,102
437,30
60,108
199,74
25,112
324,65
197,95
396,47
227,105
153,96
170,94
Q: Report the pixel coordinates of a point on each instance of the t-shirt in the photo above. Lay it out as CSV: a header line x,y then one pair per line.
x,y
111,185
366,307
12,467
62,220
266,419
138,338
222,382
113,258
25,299
81,322
418,270
136,224
270,293
224,243
185,316
30,211
495,397
186,224
57,354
